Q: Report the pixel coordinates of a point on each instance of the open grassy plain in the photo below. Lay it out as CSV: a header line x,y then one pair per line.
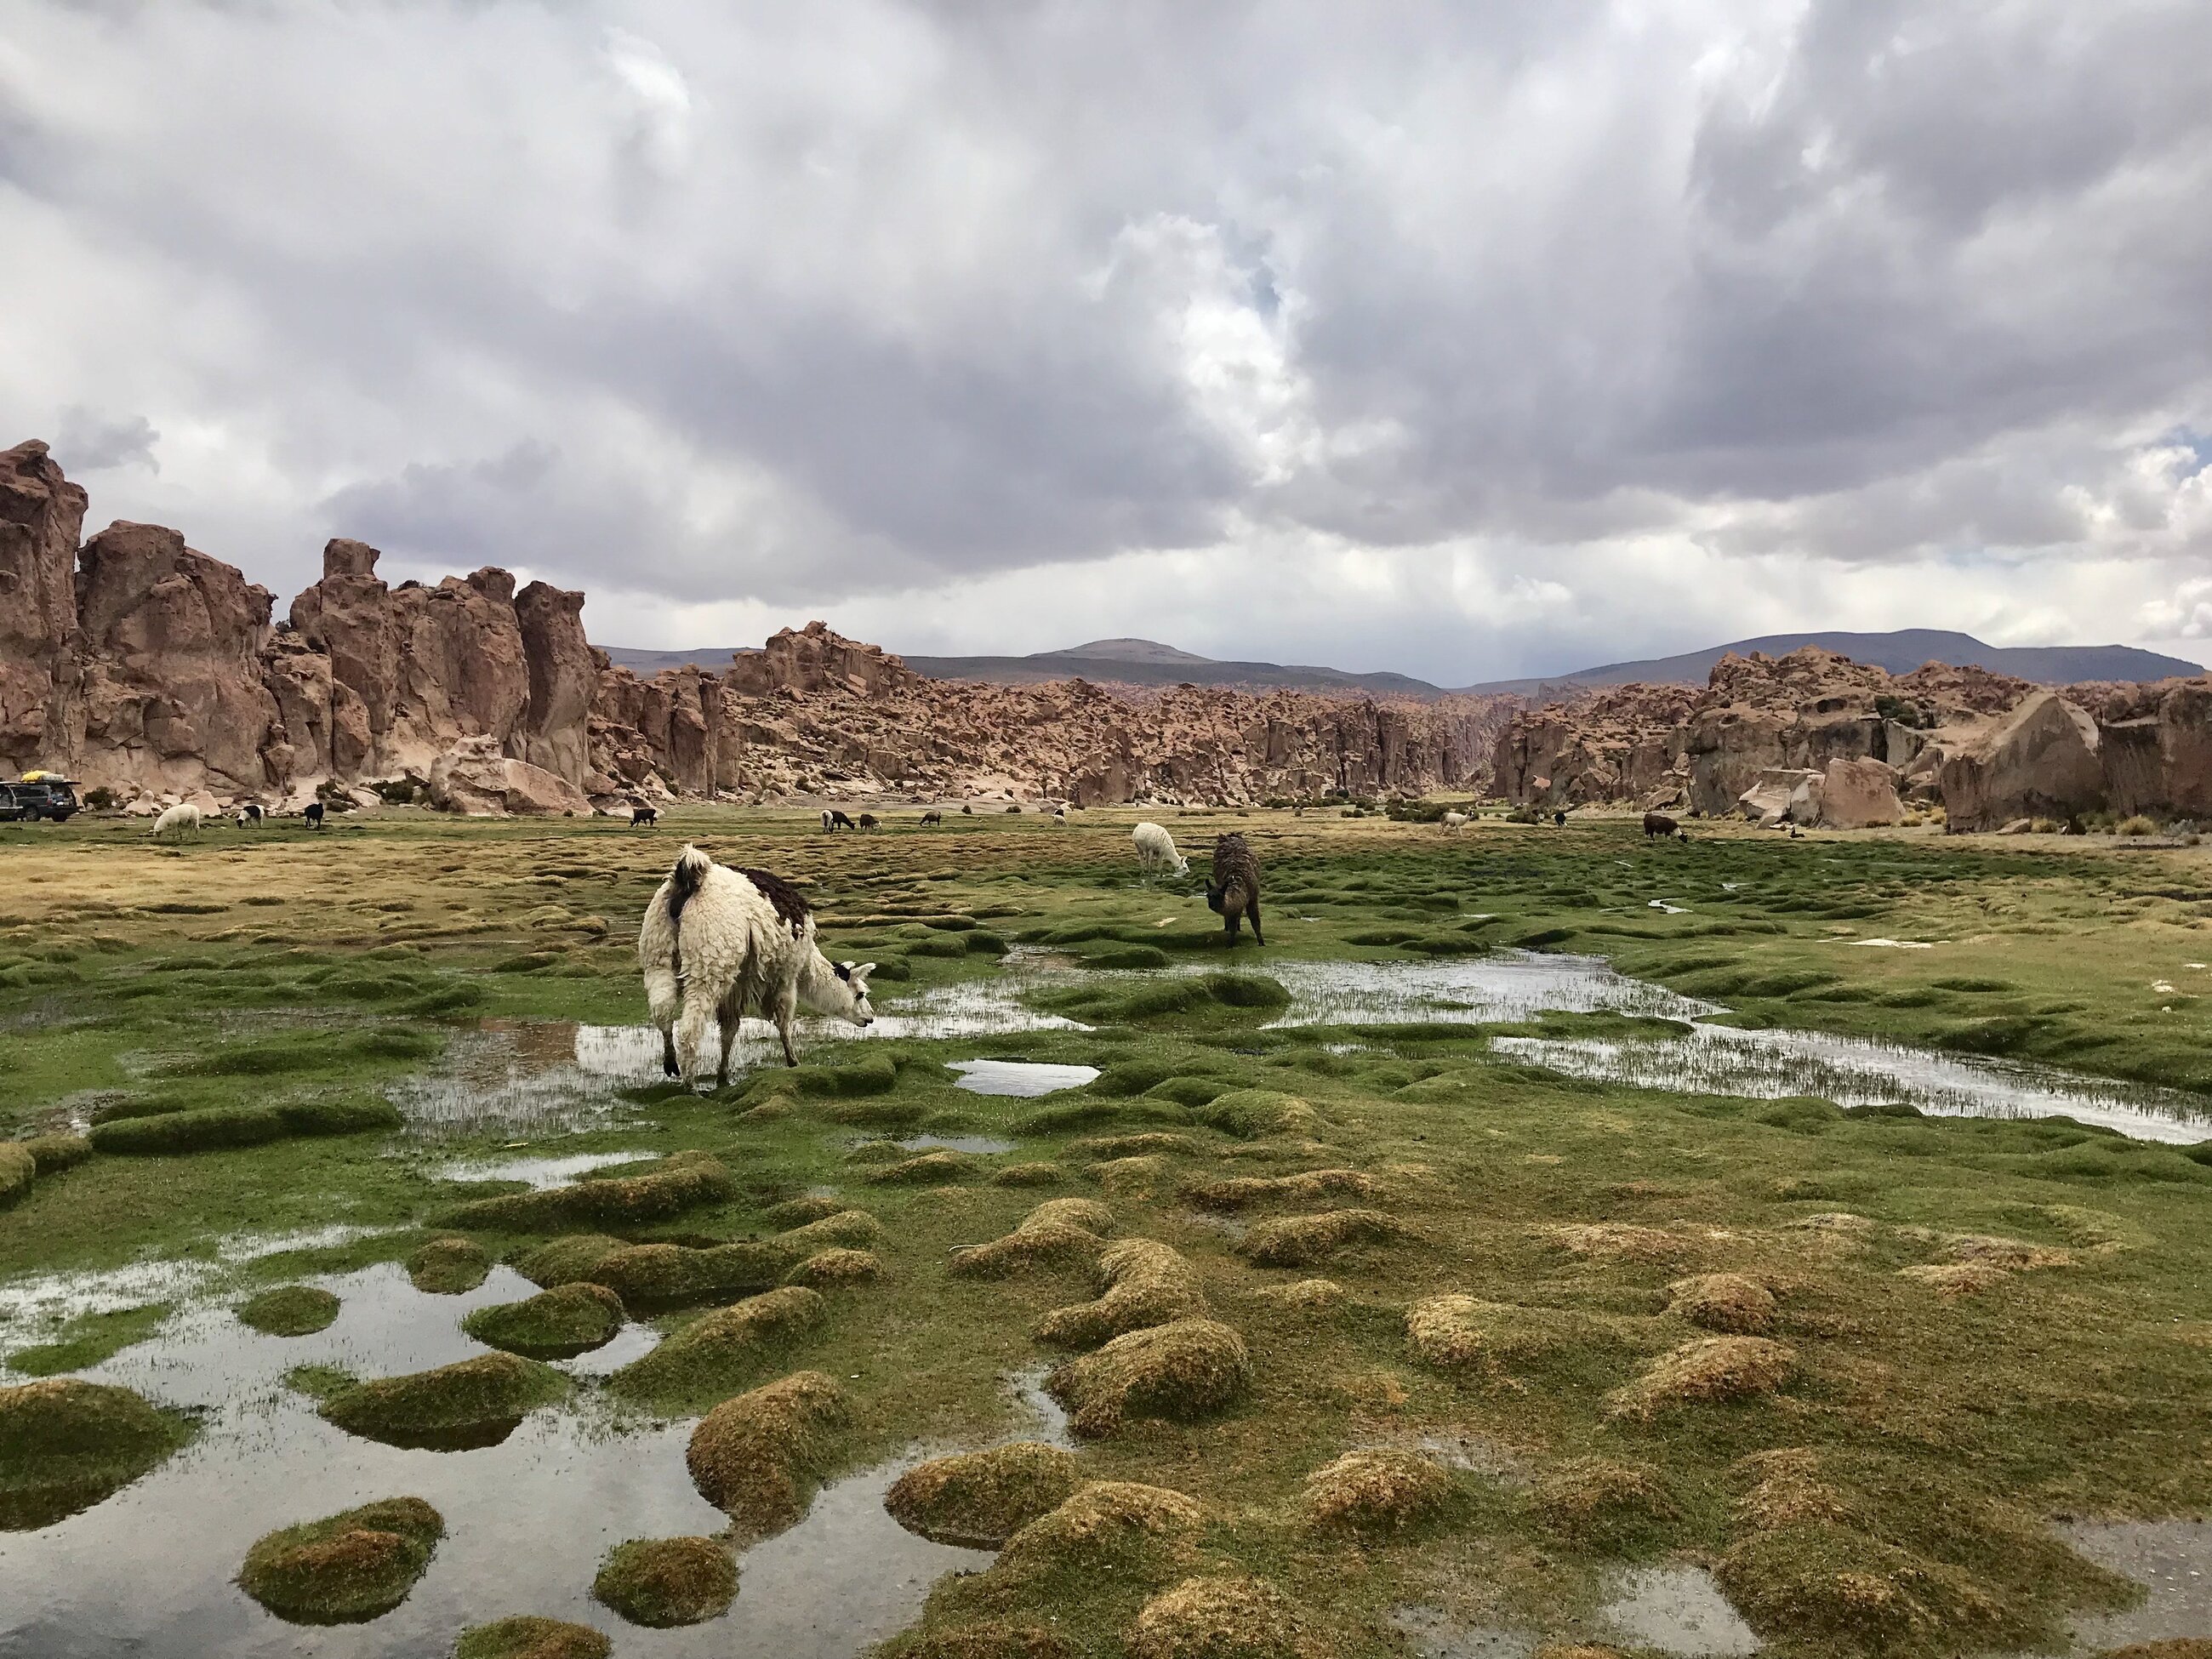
x,y
1852,1362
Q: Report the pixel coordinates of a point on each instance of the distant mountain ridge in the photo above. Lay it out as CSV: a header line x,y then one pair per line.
x,y
1899,651
1148,662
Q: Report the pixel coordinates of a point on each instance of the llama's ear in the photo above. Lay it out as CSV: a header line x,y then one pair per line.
x,y
861,974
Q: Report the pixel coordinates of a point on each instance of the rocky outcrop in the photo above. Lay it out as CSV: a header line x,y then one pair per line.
x,y
41,516
1860,794
474,778
2041,761
170,694
142,665
1625,743
2156,744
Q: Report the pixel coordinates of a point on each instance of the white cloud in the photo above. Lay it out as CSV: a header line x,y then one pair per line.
x,y
1469,340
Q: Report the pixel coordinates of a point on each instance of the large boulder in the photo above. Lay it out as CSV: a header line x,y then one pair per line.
x,y
1857,794
474,778
41,514
556,724
1784,795
2042,760
2158,760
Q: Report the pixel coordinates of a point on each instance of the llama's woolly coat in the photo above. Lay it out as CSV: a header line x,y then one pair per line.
x,y
1156,848
718,944
181,817
1233,892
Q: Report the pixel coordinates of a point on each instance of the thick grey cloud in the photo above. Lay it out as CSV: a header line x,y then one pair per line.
x,y
1469,339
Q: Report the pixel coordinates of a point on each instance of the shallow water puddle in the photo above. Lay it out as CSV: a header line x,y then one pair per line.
x,y
539,1172
1679,1610
982,1145
1773,1065
1024,1077
1513,985
514,1077
2173,1559
527,1520
33,1305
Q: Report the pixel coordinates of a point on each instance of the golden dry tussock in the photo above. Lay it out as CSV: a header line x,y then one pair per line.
x,y
1183,1370
1298,1241
1377,1492
1598,1503
831,1269
1713,1368
1303,1295
749,1456
1142,1282
1729,1303
1224,1618
1307,1187
1106,1526
981,1499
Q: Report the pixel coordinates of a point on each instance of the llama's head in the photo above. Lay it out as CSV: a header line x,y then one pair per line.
x,y
845,995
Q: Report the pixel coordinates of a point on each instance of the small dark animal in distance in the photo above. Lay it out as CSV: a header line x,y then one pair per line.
x,y
313,814
833,820
932,817
867,820
1232,892
642,817
1658,824
966,811
249,815
1559,820
1016,807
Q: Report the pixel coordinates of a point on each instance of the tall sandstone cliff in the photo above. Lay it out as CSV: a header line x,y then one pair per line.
x,y
142,666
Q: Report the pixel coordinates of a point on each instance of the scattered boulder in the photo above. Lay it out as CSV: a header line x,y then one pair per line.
x,y
475,779
355,1566
1783,795
2042,760
1860,794
979,1499
662,1582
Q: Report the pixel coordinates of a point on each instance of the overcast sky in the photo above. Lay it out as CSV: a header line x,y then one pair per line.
x,y
1464,339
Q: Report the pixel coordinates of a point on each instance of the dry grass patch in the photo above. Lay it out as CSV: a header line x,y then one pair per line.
x,y
1787,1491
1143,1282
1130,1178
979,1499
836,1269
346,1568
756,1457
1458,1332
798,1212
1307,1187
1376,1492
1299,1241
1953,1279
1618,1241
661,1582
1151,1141
448,1266
1248,1114
992,1638
1224,1618
929,1169
474,1402
1029,1174
1728,1302
689,1181
853,1230
528,1636
1303,1296
1711,1370
1594,1502
1061,1232
1106,1526
1821,1581
1179,1370
717,1351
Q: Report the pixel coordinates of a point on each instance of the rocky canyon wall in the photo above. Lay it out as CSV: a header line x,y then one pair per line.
x,y
139,665
1818,737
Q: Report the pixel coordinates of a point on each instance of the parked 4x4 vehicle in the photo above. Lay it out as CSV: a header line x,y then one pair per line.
x,y
52,798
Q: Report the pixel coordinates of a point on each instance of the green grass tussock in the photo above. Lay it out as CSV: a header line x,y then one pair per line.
x,y
663,1582
555,1324
979,1499
66,1444
688,1181
526,1636
474,1402
346,1568
290,1310
756,1457
720,1351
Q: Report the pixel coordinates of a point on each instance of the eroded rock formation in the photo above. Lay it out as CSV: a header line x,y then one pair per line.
x,y
1814,737
142,666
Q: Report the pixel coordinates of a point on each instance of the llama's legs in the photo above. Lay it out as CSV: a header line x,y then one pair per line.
x,y
668,1065
786,1009
1253,910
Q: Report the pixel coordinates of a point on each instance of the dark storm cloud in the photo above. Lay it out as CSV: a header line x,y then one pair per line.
x,y
1507,305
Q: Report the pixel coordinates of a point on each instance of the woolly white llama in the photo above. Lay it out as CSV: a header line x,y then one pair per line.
x,y
1455,821
181,817
718,944
1156,849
